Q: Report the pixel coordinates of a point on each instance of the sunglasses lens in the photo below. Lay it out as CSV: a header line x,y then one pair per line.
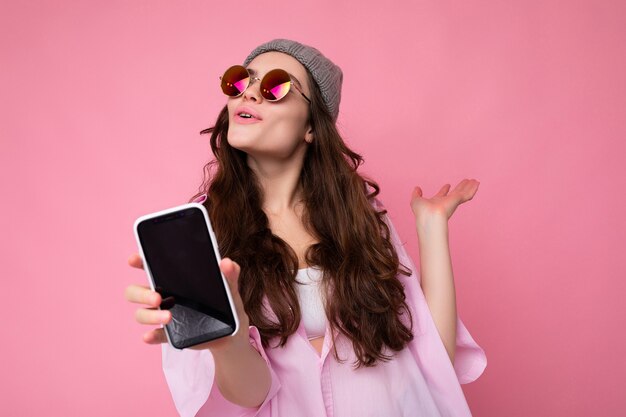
x,y
275,85
235,81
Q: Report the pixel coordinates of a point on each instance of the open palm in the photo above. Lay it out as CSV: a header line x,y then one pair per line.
x,y
443,203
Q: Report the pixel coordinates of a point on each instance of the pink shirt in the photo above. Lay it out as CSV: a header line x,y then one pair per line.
x,y
419,381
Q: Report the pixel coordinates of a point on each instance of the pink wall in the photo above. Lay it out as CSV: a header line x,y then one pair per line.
x,y
99,118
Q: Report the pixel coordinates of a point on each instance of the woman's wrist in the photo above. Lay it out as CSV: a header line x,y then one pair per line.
x,y
241,374
432,223
231,345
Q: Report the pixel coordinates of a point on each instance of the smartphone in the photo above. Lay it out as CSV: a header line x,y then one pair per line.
x,y
181,258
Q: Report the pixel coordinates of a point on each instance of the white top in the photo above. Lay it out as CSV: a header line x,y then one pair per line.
x,y
311,302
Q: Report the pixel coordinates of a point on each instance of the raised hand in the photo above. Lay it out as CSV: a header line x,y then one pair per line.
x,y
442,203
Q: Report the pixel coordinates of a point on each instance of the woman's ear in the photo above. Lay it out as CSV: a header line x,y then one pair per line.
x,y
308,136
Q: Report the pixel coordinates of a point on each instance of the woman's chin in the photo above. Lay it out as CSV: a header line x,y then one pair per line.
x,y
241,141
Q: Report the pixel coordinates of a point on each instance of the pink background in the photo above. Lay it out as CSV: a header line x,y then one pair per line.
x,y
101,105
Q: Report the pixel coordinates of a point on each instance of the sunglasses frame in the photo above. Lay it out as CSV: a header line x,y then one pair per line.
x,y
253,79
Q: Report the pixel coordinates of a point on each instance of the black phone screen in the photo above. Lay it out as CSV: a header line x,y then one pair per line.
x,y
179,252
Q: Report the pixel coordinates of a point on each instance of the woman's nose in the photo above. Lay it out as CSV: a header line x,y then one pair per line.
x,y
252,92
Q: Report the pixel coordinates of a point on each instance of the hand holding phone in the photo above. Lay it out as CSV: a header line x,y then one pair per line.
x,y
179,252
150,300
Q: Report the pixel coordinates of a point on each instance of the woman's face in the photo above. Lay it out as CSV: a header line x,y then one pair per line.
x,y
278,130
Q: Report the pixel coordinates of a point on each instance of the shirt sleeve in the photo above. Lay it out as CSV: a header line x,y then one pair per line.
x,y
190,375
200,199
469,359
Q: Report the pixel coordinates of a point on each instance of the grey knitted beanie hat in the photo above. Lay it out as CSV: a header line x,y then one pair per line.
x,y
327,75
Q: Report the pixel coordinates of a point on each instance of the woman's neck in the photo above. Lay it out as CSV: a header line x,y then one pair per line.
x,y
280,183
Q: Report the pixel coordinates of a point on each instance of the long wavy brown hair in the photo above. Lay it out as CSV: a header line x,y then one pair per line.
x,y
364,299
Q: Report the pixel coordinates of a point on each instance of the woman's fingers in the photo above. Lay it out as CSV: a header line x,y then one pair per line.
x,y
155,336
150,316
135,261
467,188
443,190
231,271
143,295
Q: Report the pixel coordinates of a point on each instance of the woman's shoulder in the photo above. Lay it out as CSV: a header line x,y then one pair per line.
x,y
377,203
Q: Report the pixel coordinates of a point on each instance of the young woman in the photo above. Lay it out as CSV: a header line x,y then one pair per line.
x,y
335,318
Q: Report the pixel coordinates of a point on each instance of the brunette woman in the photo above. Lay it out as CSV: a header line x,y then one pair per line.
x,y
335,318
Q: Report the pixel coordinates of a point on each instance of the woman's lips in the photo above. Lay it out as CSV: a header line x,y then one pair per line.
x,y
245,120
252,118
